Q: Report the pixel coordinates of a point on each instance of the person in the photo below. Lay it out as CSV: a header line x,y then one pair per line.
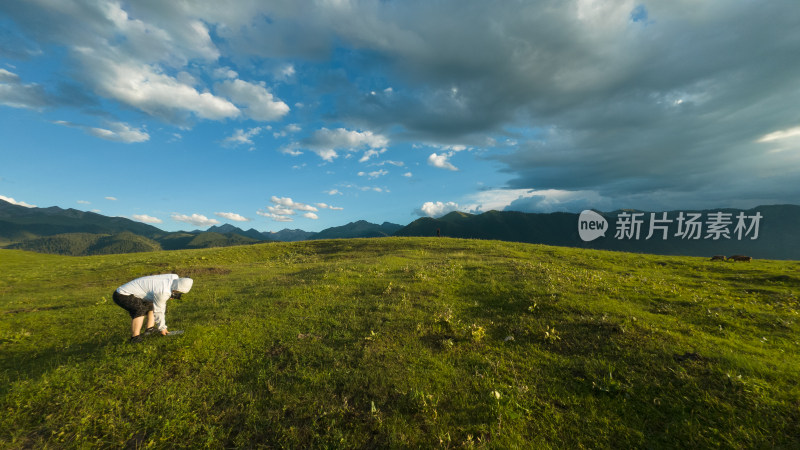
x,y
147,296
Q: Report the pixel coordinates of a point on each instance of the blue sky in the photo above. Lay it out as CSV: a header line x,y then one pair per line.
x,y
312,114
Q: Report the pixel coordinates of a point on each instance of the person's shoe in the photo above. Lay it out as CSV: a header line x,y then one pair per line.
x,y
136,339
149,331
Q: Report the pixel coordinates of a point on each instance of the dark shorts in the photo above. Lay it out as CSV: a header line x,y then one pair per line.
x,y
135,306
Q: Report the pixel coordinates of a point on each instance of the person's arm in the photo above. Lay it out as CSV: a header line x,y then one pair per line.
x,y
160,310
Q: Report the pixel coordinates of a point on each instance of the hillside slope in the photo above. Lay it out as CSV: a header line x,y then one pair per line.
x,y
404,342
358,229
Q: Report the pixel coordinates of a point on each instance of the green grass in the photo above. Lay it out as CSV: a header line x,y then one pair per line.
x,y
403,342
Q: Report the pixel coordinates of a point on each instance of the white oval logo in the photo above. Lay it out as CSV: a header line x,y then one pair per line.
x,y
591,225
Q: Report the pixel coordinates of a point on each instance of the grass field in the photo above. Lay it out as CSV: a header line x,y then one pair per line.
x,y
403,342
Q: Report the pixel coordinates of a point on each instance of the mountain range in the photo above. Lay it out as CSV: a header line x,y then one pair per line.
x,y
73,232
778,231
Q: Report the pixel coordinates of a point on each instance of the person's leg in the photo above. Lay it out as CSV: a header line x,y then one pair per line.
x,y
137,308
151,321
136,325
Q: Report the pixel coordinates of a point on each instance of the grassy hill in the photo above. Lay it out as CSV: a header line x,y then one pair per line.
x,y
404,342
210,239
83,244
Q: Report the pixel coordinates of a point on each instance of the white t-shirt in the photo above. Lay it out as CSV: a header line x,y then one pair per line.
x,y
153,288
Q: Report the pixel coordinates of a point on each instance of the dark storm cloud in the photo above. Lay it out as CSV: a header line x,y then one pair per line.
x,y
670,104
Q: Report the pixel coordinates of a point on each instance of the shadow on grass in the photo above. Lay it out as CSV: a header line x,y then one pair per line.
x,y
27,365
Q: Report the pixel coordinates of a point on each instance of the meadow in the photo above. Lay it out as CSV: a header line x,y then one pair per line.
x,y
403,342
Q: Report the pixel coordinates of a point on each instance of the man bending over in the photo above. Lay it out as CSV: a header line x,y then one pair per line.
x,y
148,296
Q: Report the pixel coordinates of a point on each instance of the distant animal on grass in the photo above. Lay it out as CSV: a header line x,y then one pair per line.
x,y
741,258
718,258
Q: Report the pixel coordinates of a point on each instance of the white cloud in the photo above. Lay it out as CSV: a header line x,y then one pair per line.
x,y
6,76
325,142
436,209
327,154
408,174
310,215
240,137
285,72
292,128
530,200
275,217
441,161
257,102
495,199
84,202
224,72
367,188
160,37
14,202
145,87
369,154
373,175
282,201
146,219
780,135
304,207
280,210
390,162
232,216
119,132
291,150
289,204
113,199
197,220
333,192
18,95
327,206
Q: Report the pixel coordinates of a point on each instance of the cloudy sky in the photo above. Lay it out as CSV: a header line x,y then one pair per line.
x,y
311,114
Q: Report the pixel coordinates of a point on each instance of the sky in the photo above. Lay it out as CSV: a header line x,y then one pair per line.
x,y
313,114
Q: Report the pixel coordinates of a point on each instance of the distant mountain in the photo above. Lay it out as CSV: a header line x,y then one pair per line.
x,y
176,241
81,244
360,229
73,232
287,235
553,229
251,233
17,222
778,232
